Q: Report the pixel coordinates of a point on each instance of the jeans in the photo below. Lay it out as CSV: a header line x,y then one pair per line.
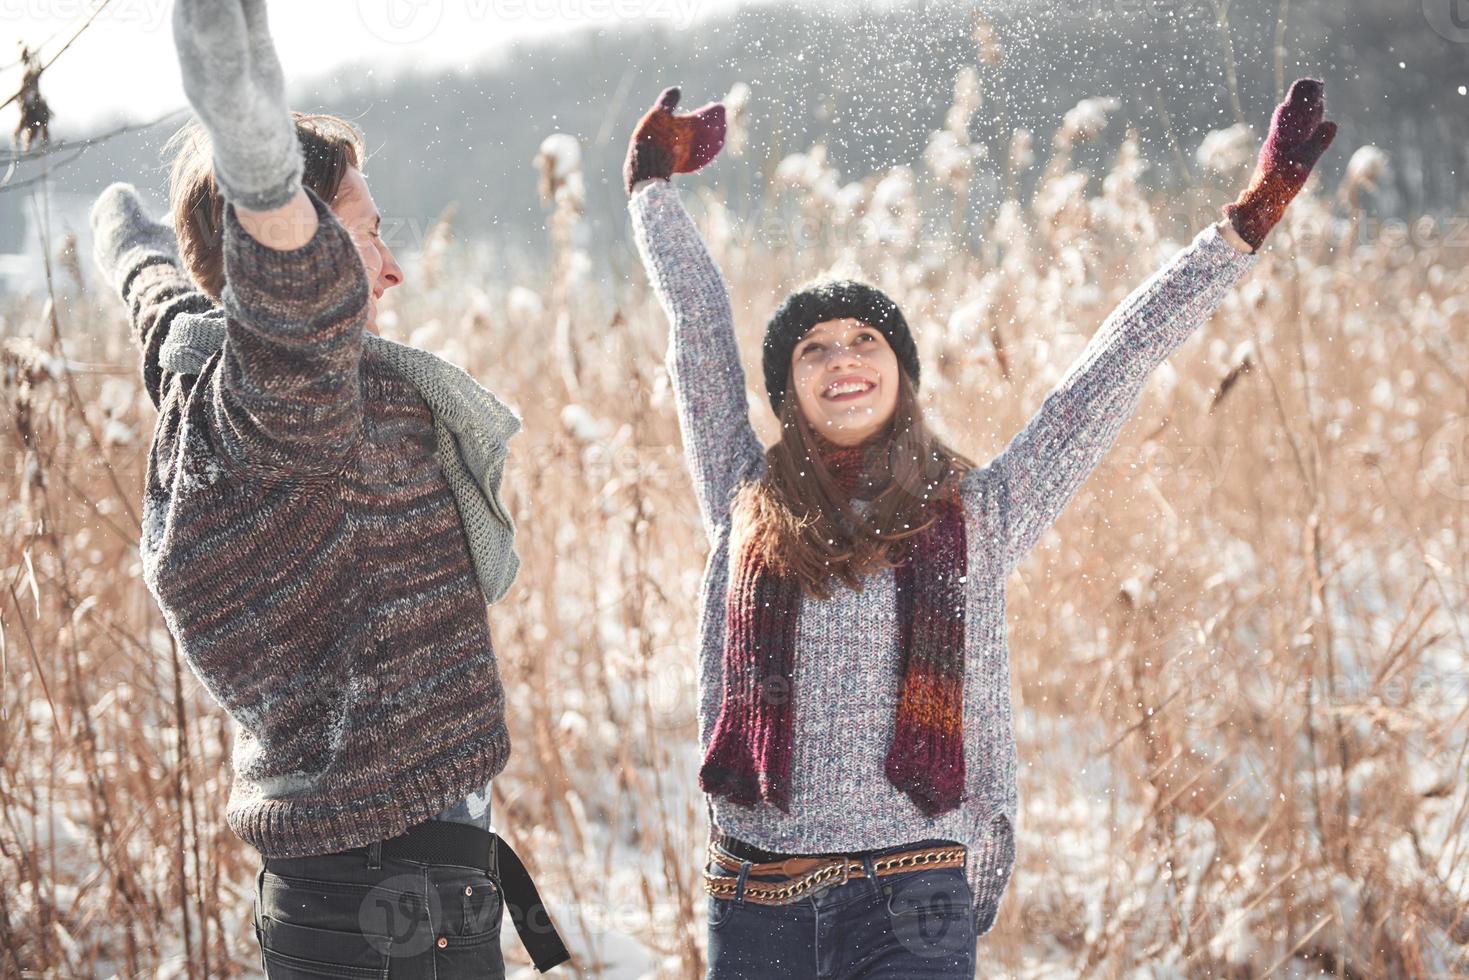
x,y
337,916
907,925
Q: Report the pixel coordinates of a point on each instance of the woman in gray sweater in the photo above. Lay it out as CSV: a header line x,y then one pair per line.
x,y
855,715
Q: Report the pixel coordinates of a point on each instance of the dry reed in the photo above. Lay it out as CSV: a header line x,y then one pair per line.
x,y
1238,661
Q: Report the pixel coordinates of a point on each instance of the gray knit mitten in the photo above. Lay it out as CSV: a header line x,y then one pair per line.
x,y
233,80
124,237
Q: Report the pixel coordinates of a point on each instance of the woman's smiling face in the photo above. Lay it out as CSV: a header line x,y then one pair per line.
x,y
845,377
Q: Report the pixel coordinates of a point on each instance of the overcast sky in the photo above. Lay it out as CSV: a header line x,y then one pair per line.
x,y
124,64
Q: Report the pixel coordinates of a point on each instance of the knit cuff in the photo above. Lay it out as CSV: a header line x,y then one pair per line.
x,y
990,864
1210,241
135,260
647,182
1231,235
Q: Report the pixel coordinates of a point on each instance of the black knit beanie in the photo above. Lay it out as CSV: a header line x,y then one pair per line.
x,y
831,299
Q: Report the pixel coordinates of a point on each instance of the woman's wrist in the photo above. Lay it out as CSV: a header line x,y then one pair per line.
x,y
647,182
1233,237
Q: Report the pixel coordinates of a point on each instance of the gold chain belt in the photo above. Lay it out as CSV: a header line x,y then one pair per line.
x,y
813,873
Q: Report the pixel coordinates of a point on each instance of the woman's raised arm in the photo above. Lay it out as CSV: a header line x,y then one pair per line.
x,y
703,359
1038,472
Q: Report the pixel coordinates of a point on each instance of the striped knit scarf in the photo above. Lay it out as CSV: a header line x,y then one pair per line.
x,y
749,755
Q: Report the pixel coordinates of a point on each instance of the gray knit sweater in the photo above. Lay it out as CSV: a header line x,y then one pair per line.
x,y
307,553
847,673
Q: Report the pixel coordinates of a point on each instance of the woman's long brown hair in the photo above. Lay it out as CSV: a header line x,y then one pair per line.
x,y
803,524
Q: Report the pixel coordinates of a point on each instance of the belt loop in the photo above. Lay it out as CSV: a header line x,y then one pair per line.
x,y
871,870
375,855
494,869
739,895
259,902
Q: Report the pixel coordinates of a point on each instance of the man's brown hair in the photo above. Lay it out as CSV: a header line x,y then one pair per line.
x,y
329,145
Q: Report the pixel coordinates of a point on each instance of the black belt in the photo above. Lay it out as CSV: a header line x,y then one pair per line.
x,y
755,855
446,842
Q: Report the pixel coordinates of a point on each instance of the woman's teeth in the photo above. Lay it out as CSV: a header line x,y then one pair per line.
x,y
847,388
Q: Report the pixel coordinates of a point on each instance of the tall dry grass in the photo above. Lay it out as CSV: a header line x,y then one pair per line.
x,y
1238,661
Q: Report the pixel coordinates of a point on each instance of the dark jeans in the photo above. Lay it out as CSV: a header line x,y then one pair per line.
x,y
335,916
914,924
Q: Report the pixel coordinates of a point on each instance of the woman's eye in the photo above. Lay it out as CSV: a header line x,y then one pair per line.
x,y
811,347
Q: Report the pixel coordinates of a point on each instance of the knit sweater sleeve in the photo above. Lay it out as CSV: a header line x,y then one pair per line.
x,y
703,359
287,399
1042,467
156,291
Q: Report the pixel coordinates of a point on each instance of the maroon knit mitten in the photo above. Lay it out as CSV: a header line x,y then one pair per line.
x,y
667,143
1297,139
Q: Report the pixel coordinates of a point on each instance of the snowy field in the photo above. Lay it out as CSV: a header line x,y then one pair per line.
x,y
1238,661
